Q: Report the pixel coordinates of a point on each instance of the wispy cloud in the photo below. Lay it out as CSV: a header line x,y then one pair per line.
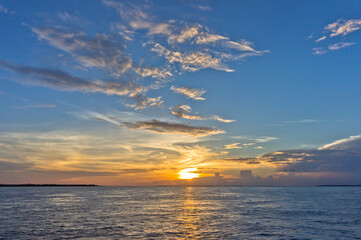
x,y
5,10
37,106
340,28
182,111
249,144
265,139
339,45
205,8
343,27
321,39
232,146
153,72
324,160
64,81
213,50
193,93
173,128
342,143
300,121
319,51
191,61
101,51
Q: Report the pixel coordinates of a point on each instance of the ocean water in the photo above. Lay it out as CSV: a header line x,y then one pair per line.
x,y
180,213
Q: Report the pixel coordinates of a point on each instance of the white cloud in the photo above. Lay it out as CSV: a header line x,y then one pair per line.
x,y
265,139
220,119
205,8
339,45
193,93
301,121
191,61
5,10
342,143
232,146
153,72
343,27
37,106
185,34
321,39
249,144
213,50
319,51
182,111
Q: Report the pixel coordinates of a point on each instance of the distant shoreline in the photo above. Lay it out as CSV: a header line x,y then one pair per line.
x,y
94,185
343,185
48,185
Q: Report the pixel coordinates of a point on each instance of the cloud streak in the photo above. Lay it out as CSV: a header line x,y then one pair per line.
x,y
101,51
193,93
343,27
232,146
182,111
191,61
339,45
173,128
64,81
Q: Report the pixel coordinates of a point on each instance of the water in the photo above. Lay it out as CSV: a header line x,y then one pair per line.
x,y
180,213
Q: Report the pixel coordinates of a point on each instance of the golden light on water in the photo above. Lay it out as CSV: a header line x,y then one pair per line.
x,y
188,173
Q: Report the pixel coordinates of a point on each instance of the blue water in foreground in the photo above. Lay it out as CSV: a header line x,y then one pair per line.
x,y
180,213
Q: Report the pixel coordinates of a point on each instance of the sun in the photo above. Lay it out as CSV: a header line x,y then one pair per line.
x,y
188,173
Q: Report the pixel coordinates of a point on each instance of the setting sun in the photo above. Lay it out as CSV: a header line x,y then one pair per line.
x,y
188,173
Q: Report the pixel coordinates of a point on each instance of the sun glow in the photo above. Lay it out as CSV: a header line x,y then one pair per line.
x,y
188,173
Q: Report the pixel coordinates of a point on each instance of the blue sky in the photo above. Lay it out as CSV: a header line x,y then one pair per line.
x,y
124,93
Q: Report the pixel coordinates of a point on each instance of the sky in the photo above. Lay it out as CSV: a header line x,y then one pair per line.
x,y
124,93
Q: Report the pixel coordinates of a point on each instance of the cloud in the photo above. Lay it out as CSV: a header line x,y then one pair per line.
x,y
138,19
5,10
319,51
101,51
191,61
205,8
321,39
248,144
213,50
153,72
142,102
339,45
343,27
342,144
244,160
37,106
341,156
61,80
300,121
265,139
218,118
232,146
193,93
207,38
185,34
200,35
182,111
258,147
240,46
173,128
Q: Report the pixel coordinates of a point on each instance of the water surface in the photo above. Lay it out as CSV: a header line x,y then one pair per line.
x,y
180,213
